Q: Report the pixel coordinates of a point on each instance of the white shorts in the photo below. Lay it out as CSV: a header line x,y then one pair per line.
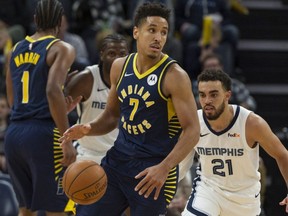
x,y
87,154
206,201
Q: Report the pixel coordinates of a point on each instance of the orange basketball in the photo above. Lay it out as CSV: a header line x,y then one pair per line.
x,y
85,182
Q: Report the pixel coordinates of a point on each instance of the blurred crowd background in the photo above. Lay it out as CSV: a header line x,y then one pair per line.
x,y
248,39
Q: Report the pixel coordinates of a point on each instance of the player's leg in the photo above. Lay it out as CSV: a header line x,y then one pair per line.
x,y
47,171
202,202
247,202
18,168
113,203
141,206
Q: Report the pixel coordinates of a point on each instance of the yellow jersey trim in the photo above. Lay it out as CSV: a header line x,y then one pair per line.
x,y
28,38
160,80
123,71
51,43
140,76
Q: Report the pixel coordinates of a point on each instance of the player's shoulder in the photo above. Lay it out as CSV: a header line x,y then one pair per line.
x,y
118,63
84,75
177,73
64,44
176,68
62,50
255,121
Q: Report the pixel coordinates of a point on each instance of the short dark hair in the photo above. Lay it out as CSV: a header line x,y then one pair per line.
x,y
48,14
215,75
151,9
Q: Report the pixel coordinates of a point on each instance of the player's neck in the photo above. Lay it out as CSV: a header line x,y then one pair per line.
x,y
224,119
105,75
144,63
40,34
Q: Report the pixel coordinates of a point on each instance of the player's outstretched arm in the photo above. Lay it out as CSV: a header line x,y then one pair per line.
x,y
258,130
108,119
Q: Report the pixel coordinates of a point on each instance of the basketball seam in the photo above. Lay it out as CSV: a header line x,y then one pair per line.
x,y
79,175
89,185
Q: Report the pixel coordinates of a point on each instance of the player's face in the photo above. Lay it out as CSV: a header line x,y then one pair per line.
x,y
151,36
213,99
113,50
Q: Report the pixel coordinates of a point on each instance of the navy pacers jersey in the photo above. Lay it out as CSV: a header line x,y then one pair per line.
x,y
29,72
148,125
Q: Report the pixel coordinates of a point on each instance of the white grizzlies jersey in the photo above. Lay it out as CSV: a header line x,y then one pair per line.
x,y
227,162
88,110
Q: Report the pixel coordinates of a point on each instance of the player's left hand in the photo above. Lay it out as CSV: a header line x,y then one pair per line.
x,y
153,178
285,202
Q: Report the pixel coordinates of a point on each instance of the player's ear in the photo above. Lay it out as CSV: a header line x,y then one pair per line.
x,y
135,32
228,95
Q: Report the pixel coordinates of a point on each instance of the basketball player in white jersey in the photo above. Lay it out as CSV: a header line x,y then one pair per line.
x,y
93,85
228,179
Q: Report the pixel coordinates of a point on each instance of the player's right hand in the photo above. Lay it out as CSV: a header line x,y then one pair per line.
x,y
75,132
69,154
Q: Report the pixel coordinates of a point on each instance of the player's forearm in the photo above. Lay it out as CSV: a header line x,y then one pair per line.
x,y
184,146
104,124
58,110
282,164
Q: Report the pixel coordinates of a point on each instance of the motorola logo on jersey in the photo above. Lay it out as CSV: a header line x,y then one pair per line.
x,y
233,135
152,79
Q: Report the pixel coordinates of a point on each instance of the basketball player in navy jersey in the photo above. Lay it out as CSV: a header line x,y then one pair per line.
x,y
229,181
35,76
93,84
151,102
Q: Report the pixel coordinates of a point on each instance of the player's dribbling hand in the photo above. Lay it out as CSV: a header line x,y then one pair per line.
x,y
153,178
285,202
75,132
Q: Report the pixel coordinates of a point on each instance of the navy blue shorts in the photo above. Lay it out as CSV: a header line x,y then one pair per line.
x,y
33,155
120,191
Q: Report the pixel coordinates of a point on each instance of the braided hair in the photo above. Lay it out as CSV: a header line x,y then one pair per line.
x,y
48,14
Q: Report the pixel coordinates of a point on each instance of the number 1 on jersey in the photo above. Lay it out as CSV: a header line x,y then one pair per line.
x,y
25,87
